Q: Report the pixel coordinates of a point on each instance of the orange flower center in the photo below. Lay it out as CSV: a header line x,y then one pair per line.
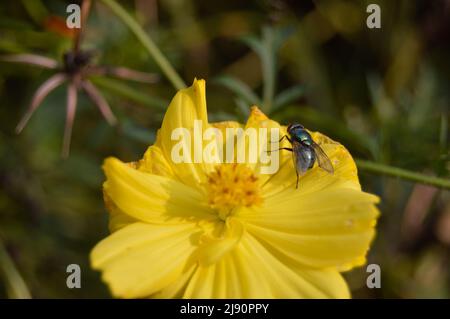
x,y
230,186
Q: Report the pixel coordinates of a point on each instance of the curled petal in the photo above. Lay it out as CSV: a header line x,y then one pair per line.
x,y
213,248
186,107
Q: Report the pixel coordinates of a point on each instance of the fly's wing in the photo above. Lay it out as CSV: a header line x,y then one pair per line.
x,y
322,158
300,162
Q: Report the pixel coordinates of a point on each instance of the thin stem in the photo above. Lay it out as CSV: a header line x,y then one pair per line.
x,y
128,92
402,173
148,43
17,287
85,8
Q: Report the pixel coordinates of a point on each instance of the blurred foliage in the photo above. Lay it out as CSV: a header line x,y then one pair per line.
x,y
382,92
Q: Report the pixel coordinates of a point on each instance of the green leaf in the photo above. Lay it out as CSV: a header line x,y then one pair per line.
x,y
268,59
267,48
254,43
288,96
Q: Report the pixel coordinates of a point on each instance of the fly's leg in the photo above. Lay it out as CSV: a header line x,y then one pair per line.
x,y
283,148
296,185
284,136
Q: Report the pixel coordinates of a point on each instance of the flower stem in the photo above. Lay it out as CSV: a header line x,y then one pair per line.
x,y
147,42
402,173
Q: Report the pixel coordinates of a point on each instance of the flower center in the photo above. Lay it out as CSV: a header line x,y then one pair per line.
x,y
230,186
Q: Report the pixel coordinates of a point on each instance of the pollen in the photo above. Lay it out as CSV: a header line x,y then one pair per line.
x,y
231,186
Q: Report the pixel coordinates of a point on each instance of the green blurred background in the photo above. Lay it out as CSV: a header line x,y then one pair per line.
x,y
383,93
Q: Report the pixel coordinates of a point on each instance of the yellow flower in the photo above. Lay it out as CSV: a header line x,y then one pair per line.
x,y
201,230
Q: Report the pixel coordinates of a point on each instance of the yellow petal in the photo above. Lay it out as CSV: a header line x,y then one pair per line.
x,y
155,163
343,163
117,218
214,248
258,120
222,126
332,227
231,277
152,198
251,271
288,281
187,106
177,288
141,259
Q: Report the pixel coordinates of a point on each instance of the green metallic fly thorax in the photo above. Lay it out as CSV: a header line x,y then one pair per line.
x,y
303,137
